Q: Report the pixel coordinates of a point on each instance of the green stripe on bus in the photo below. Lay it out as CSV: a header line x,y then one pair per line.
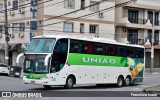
x,y
96,60
35,76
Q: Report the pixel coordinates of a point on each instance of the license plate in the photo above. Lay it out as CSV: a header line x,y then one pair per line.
x,y
16,73
32,82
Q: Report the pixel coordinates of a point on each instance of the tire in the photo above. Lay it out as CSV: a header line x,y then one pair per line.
x,y
127,81
47,86
69,83
120,81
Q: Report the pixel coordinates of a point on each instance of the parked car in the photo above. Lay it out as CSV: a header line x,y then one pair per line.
x,y
15,71
4,69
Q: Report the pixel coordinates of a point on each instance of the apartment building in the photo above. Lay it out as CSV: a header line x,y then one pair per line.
x,y
134,23
29,18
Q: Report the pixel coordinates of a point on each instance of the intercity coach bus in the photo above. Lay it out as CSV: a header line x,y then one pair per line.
x,y
67,60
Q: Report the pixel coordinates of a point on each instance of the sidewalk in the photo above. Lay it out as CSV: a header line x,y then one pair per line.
x,y
154,89
155,70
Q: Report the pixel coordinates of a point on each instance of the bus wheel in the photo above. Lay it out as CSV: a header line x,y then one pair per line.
x,y
47,86
127,81
69,82
120,81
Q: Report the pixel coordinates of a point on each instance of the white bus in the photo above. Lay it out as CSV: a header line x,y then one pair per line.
x,y
64,60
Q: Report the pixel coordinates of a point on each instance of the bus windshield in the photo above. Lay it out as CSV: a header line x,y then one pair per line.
x,y
35,64
41,45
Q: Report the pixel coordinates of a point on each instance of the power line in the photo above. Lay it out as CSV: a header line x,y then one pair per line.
x,y
39,4
106,9
23,5
76,10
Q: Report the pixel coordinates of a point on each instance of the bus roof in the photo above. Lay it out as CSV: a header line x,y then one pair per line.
x,y
87,38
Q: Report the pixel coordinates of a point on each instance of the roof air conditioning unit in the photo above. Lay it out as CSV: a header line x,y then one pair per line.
x,y
101,15
21,35
11,35
21,11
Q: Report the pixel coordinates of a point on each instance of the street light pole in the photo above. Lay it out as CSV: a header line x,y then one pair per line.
x,y
6,34
152,44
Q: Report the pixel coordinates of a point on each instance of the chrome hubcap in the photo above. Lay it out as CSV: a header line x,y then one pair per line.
x,y
120,82
127,81
70,82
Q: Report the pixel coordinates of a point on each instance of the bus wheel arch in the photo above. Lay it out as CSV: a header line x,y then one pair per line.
x,y
120,81
70,81
128,80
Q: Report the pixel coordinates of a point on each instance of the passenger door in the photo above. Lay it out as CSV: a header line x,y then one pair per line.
x,y
59,60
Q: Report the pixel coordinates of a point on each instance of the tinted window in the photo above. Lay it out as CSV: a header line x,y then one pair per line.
x,y
129,52
111,50
75,46
99,49
121,51
2,65
87,47
139,53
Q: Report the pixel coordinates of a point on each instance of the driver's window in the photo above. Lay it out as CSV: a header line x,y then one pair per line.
x,y
59,55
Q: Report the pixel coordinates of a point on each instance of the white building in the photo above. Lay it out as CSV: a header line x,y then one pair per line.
x,y
28,18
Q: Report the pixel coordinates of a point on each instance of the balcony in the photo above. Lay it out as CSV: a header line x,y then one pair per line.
x,y
138,23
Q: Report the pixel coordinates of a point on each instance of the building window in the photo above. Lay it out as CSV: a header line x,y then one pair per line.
x,y
15,27
94,7
68,27
1,28
34,2
82,4
133,16
21,27
156,37
15,5
150,17
93,29
132,36
82,28
33,25
1,8
69,3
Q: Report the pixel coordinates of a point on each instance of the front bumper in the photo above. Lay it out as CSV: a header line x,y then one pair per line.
x,y
35,81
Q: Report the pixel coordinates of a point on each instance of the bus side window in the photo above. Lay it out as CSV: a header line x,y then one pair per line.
x,y
129,52
99,49
87,48
121,51
75,46
107,50
139,53
112,50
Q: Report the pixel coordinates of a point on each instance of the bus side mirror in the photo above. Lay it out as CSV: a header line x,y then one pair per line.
x,y
20,59
46,61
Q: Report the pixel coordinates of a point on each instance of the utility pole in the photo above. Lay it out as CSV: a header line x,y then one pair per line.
x,y
6,34
152,44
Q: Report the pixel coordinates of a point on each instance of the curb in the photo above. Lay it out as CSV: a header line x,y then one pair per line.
x,y
152,92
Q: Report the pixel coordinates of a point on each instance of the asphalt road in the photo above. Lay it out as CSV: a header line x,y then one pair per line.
x,y
16,84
